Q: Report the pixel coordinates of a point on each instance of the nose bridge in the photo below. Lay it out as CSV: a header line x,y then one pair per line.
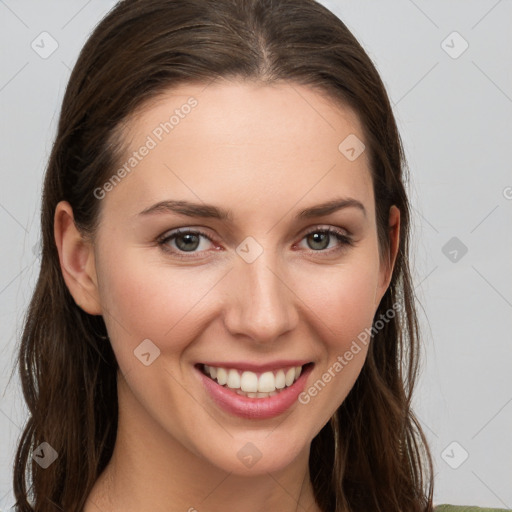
x,y
262,306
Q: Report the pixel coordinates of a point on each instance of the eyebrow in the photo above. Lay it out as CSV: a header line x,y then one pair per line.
x,y
209,211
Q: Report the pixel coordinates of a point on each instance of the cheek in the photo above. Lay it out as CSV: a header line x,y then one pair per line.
x,y
343,303
144,300
343,299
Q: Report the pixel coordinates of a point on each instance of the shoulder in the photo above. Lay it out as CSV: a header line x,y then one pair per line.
x,y
465,508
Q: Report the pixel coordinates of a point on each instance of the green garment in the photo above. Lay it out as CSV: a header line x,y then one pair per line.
x,y
465,508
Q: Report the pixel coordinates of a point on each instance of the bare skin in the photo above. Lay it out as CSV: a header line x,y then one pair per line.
x,y
265,153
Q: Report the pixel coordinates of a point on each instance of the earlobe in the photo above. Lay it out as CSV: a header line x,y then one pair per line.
x,y
76,257
389,259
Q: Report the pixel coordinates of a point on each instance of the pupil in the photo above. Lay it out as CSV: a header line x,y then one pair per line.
x,y
190,244
319,238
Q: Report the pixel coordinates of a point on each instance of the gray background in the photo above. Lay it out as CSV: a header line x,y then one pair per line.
x,y
454,110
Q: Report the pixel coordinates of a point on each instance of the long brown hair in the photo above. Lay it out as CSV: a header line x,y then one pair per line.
x,y
372,454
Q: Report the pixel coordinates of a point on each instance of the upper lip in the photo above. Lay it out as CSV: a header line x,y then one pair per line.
x,y
257,368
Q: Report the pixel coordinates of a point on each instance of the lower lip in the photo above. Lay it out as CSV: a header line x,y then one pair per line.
x,y
255,408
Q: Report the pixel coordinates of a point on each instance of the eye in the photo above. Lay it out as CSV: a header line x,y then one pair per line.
x,y
320,239
185,241
194,242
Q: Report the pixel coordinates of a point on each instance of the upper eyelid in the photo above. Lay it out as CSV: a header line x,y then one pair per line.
x,y
327,227
202,231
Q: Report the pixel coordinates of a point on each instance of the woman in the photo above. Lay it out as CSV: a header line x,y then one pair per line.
x,y
224,317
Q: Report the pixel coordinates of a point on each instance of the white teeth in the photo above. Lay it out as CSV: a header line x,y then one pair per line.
x,y
290,376
266,382
233,379
280,379
249,384
222,376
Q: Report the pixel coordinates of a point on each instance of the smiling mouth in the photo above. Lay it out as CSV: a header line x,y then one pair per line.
x,y
252,384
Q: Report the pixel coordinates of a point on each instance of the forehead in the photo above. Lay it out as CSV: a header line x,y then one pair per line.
x,y
259,140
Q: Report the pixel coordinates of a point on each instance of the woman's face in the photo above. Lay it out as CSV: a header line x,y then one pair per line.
x,y
253,283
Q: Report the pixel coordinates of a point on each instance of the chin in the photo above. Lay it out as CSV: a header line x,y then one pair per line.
x,y
257,454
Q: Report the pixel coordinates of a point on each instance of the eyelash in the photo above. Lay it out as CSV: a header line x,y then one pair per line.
x,y
344,240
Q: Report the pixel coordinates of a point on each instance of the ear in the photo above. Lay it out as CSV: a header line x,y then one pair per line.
x,y
76,256
387,263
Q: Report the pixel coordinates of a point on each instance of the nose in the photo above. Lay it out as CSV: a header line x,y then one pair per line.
x,y
261,303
